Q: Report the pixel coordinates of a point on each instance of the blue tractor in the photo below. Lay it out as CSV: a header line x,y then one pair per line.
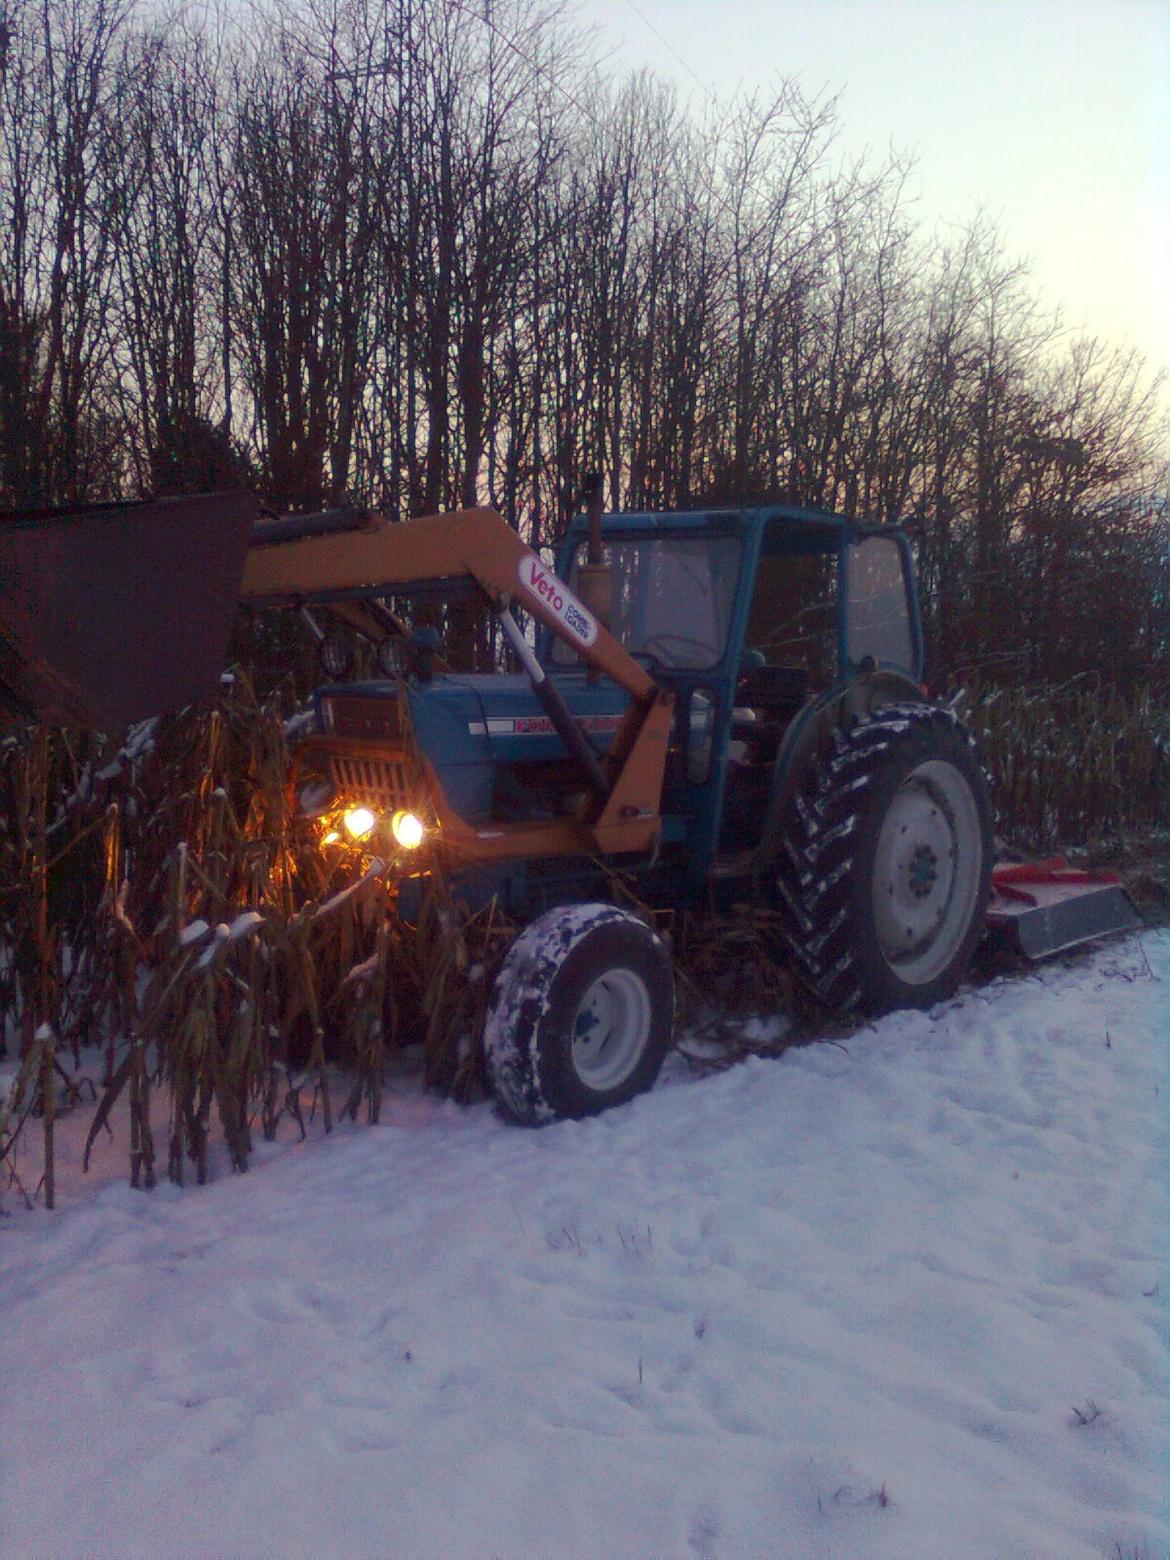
x,y
721,707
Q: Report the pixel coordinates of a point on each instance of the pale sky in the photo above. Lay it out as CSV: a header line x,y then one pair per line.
x,y
1052,114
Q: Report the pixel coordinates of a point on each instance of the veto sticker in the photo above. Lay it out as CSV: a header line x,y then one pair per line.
x,y
557,599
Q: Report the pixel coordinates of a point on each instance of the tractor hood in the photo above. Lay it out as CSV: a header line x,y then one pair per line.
x,y
483,735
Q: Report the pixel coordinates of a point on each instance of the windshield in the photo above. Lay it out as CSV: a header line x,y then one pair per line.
x,y
672,598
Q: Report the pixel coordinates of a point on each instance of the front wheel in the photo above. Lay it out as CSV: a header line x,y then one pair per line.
x,y
886,866
581,1016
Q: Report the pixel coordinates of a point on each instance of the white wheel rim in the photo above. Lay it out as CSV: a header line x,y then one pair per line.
x,y
610,1029
927,870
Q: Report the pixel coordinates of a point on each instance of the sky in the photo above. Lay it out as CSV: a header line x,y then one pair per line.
x,y
1053,115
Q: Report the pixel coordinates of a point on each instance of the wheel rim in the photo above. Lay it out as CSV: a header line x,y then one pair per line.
x,y
610,1029
927,871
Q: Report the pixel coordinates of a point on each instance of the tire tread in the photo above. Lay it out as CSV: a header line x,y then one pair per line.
x,y
815,865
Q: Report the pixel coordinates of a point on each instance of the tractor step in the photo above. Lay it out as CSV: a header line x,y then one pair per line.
x,y
1044,907
736,865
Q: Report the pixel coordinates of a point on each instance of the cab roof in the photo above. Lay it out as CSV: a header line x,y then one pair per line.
x,y
814,530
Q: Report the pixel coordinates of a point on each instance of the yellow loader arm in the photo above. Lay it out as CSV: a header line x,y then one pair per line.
x,y
622,813
476,544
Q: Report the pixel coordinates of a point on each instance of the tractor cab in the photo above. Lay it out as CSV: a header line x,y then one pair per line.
x,y
754,618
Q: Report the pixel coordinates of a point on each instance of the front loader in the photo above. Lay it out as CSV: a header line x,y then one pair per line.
x,y
720,707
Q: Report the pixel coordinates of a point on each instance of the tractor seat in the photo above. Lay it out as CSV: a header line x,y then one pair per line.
x,y
767,698
773,688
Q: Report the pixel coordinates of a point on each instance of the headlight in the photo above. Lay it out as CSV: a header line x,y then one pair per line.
x,y
407,829
358,822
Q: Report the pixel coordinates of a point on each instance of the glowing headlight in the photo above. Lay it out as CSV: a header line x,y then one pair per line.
x,y
407,830
359,821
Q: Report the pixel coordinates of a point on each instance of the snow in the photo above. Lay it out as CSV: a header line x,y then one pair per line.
x,y
194,931
899,1298
377,868
225,935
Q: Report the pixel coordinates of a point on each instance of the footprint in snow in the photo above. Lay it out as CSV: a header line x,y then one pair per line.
x,y
704,1531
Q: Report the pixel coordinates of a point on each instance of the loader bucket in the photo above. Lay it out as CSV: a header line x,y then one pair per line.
x,y
113,612
1043,907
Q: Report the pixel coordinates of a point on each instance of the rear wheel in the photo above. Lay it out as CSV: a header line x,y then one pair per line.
x,y
886,864
581,1016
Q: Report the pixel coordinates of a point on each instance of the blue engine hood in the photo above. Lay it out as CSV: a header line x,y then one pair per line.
x,y
470,727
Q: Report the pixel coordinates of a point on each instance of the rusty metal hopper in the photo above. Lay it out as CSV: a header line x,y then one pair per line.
x,y
113,612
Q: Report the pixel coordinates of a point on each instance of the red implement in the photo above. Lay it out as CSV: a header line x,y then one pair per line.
x,y
1043,907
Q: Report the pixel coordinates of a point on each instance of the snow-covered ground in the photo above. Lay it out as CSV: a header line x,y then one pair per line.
x,y
902,1298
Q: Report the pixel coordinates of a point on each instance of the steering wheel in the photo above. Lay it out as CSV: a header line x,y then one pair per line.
x,y
657,644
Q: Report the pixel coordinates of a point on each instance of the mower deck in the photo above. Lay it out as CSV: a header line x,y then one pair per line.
x,y
1044,907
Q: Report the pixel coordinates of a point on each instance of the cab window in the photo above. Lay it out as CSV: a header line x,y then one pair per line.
x,y
878,614
672,598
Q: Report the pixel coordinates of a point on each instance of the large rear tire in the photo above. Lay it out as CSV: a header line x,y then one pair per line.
x,y
885,868
581,1016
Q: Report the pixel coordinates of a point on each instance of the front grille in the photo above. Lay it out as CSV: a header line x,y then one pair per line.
x,y
358,715
378,782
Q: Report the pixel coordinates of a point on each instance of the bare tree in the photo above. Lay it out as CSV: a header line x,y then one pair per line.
x,y
56,246
429,256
